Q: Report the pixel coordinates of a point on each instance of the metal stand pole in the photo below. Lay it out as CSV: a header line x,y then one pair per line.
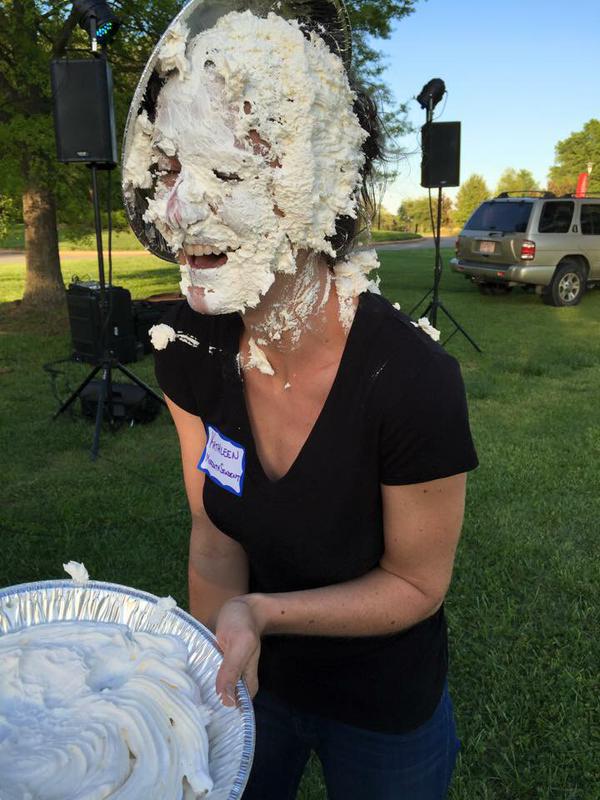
x,y
108,361
435,302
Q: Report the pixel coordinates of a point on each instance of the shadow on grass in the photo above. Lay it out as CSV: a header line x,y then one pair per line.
x,y
17,317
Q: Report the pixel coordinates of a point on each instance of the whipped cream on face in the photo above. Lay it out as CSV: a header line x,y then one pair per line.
x,y
77,571
352,278
261,121
94,711
172,53
136,168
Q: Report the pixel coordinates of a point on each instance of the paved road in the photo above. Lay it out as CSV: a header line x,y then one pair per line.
x,y
418,244
14,256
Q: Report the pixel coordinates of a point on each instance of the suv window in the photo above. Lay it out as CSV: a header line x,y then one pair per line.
x,y
556,217
501,216
590,219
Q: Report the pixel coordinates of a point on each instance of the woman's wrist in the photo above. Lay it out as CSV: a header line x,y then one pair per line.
x,y
260,606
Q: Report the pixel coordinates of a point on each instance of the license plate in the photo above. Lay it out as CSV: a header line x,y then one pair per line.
x,y
487,247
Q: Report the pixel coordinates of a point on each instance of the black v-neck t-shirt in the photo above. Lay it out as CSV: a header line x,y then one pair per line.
x,y
396,414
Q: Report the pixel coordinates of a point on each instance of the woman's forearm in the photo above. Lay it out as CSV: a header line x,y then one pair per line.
x,y
214,575
375,604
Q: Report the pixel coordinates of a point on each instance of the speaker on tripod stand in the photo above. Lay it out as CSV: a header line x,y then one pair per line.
x,y
85,133
440,168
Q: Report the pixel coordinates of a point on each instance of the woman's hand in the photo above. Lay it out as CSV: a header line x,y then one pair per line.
x,y
238,633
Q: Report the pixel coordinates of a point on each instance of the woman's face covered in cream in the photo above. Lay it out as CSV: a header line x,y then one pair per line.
x,y
254,152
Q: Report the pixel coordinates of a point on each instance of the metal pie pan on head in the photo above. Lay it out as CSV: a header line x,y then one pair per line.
x,y
328,18
230,730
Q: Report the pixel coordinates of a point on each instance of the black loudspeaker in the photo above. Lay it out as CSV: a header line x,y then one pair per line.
x,y
440,166
84,119
85,320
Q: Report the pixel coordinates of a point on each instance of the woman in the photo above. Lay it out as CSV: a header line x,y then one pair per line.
x,y
324,437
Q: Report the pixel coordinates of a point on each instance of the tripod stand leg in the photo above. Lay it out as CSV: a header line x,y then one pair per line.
x,y
459,327
77,391
414,308
427,310
447,339
100,412
139,382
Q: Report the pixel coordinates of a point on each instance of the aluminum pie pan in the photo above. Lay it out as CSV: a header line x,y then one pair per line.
x,y
230,731
329,18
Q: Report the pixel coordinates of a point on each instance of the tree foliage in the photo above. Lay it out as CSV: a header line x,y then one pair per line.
x,y
33,32
383,175
516,180
387,221
373,19
470,195
572,156
7,214
417,213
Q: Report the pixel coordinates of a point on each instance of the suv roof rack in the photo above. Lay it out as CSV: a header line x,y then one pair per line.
x,y
588,195
526,193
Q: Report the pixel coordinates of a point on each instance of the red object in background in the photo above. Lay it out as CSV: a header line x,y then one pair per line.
x,y
582,184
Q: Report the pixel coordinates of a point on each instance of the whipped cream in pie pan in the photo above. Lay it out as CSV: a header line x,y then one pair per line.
x,y
105,694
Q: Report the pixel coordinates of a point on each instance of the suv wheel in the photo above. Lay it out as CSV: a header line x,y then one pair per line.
x,y
568,285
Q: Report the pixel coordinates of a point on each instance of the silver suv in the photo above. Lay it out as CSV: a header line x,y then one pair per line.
x,y
546,243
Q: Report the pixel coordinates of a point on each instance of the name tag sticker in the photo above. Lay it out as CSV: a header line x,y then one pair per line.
x,y
224,461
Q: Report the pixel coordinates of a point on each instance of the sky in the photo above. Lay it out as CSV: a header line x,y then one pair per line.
x,y
520,74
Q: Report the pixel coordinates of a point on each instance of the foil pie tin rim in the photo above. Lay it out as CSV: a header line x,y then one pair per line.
x,y
242,728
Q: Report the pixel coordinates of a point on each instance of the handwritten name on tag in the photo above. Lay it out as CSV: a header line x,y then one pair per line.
x,y
224,461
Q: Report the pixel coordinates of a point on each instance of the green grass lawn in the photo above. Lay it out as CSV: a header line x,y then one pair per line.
x,y
125,240
523,607
121,240
392,236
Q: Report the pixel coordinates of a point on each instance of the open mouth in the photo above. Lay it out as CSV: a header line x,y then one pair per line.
x,y
207,262
205,257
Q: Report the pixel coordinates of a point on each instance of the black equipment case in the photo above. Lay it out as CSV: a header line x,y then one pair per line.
x,y
85,318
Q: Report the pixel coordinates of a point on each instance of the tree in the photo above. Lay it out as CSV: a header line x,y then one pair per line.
x,y
373,19
516,180
572,156
6,213
32,33
404,221
382,176
418,213
470,195
387,220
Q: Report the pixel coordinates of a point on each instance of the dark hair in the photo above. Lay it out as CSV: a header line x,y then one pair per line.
x,y
347,229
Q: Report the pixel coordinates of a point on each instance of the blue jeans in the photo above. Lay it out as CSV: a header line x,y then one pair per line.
x,y
357,764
